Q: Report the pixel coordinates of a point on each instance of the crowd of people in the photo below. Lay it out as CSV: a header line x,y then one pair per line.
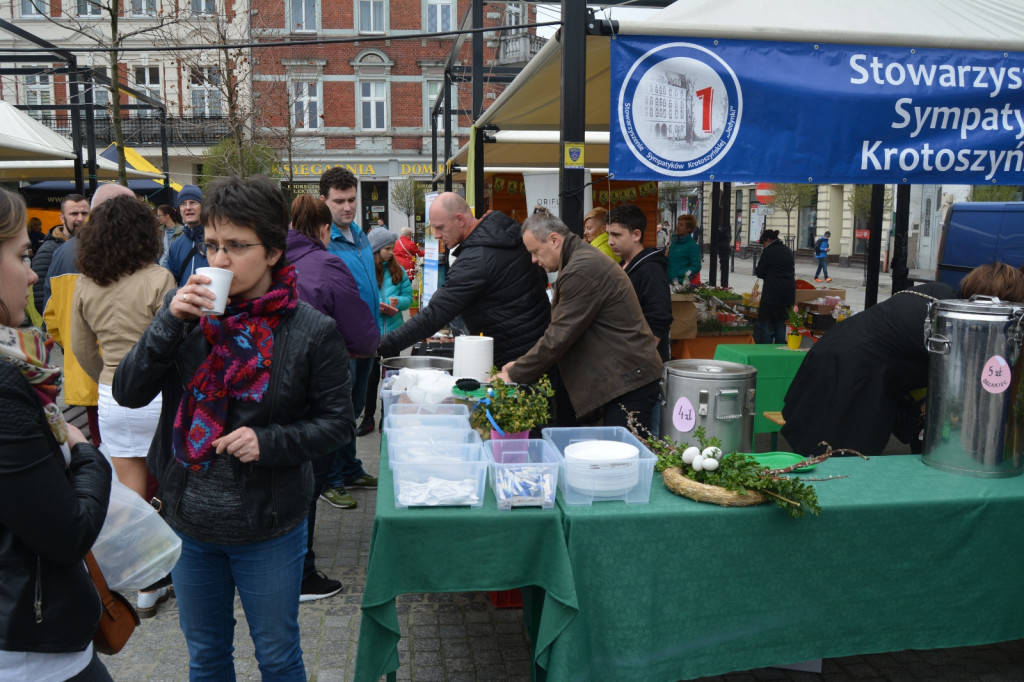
x,y
240,422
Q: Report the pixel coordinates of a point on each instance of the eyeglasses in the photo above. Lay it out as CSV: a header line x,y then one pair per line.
x,y
232,248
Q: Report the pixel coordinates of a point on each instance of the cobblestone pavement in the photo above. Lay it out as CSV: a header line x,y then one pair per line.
x,y
462,637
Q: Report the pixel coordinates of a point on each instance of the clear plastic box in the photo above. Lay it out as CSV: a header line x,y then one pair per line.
x,y
640,493
432,410
389,397
442,484
399,422
423,444
523,473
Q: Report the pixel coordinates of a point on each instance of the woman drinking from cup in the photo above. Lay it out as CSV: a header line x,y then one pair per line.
x,y
54,489
247,397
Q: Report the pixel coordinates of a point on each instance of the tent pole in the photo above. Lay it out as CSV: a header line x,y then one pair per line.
x,y
716,219
478,108
899,247
874,245
573,112
90,129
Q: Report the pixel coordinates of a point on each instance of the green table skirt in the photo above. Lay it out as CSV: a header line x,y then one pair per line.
x,y
776,366
459,549
902,556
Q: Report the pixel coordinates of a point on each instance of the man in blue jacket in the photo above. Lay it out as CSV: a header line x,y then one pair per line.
x,y
339,188
184,256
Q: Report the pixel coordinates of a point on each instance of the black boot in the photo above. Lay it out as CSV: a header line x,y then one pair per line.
x,y
365,426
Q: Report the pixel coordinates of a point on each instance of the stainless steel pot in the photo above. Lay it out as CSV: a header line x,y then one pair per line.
x,y
716,395
418,362
975,409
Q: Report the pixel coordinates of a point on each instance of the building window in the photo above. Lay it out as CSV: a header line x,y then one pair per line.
x,y
432,91
304,14
204,83
100,94
440,15
204,7
147,80
37,93
33,8
371,16
373,101
89,8
306,104
143,8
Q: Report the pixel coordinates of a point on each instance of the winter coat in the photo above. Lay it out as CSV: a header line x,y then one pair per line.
x,y
326,283
403,292
601,244
106,321
306,411
496,288
406,253
847,391
49,519
648,271
358,256
184,258
683,257
598,336
777,269
62,263
79,387
41,265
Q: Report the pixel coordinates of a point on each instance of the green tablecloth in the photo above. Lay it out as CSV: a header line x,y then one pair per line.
x,y
776,367
902,556
458,549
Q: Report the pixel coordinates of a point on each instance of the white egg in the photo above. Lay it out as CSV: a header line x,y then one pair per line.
x,y
689,453
710,464
712,452
698,463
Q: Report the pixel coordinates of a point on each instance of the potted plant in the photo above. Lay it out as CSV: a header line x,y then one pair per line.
x,y
510,410
797,328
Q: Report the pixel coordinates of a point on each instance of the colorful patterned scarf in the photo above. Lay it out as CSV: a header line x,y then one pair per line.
x,y
29,351
237,368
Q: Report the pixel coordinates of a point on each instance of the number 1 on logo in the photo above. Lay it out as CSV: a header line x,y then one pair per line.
x,y
706,97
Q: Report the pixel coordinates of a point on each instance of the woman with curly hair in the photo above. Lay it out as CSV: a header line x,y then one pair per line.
x,y
119,292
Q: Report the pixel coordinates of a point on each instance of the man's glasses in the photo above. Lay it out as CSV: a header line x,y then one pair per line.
x,y
231,248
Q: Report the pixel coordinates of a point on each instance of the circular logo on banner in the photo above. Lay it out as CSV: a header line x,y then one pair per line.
x,y
679,109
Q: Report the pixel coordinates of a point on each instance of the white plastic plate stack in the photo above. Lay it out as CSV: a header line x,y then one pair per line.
x,y
602,468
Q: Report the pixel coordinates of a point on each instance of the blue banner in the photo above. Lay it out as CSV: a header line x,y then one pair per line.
x,y
734,111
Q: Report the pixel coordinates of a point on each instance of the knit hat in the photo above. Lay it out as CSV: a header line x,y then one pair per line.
x,y
381,237
189,192
827,233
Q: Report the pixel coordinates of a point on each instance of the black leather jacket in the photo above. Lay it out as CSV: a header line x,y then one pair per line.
x,y
305,412
49,518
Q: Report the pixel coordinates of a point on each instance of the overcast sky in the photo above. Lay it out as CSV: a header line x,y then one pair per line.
x,y
554,11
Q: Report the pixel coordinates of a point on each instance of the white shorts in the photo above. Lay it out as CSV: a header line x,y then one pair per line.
x,y
126,432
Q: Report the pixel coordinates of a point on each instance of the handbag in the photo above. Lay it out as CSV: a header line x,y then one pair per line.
x,y
118,618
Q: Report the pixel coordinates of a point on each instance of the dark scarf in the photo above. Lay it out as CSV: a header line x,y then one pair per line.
x,y
237,368
195,234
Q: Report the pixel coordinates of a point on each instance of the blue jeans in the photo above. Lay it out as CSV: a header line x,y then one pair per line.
x,y
770,330
822,265
268,576
346,467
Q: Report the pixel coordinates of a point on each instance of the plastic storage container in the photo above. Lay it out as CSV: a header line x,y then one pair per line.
x,y
640,493
400,422
438,451
458,483
425,441
391,397
458,410
523,473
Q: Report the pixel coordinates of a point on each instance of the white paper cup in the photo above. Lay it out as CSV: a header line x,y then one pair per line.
x,y
220,284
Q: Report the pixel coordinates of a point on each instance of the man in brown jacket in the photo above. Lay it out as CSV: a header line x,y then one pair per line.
x,y
606,354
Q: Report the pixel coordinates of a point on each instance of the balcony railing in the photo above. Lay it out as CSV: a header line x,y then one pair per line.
x,y
202,131
518,48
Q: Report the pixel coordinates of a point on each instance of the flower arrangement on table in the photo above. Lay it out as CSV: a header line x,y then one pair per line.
x,y
706,474
512,409
798,322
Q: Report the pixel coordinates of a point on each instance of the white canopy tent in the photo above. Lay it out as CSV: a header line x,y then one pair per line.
x,y
532,101
34,171
22,138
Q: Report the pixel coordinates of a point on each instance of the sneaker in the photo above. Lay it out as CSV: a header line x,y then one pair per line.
x,y
338,497
318,586
816,279
364,481
828,279
149,601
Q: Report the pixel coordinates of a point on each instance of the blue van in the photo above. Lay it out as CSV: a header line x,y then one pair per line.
x,y
980,232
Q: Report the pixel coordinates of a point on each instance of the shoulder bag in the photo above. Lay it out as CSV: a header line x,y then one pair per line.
x,y
118,619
